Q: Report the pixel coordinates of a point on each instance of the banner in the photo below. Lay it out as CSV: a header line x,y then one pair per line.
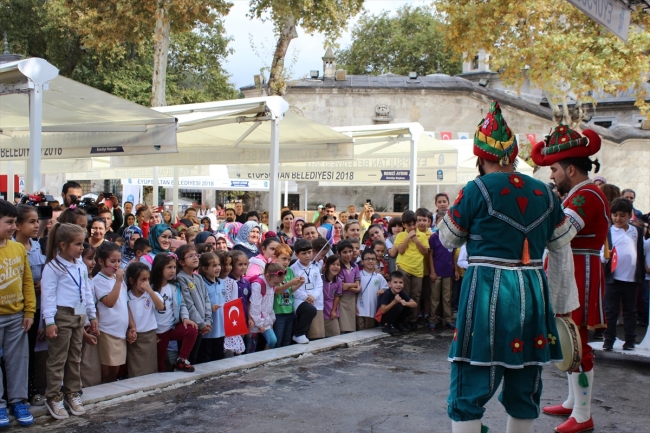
x,y
132,193
445,136
464,135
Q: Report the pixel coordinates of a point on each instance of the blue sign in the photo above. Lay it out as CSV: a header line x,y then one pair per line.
x,y
440,175
239,184
395,175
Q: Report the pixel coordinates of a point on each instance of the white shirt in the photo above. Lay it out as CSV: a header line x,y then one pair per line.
x,y
625,243
463,261
165,319
370,284
313,279
646,251
142,309
65,284
113,321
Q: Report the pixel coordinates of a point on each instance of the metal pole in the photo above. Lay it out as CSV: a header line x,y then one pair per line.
x,y
33,182
175,198
155,187
10,181
306,195
419,194
414,173
274,190
286,193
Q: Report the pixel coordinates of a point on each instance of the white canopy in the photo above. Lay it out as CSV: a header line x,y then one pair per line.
x,y
247,130
77,120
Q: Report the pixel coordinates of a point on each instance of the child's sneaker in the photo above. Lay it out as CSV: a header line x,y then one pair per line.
x,y
73,402
22,414
4,419
37,400
301,339
56,408
184,365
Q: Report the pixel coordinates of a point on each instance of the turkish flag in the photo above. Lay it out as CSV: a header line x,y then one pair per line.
x,y
234,320
532,138
614,258
445,136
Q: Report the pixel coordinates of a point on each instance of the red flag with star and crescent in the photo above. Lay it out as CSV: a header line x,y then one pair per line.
x,y
234,319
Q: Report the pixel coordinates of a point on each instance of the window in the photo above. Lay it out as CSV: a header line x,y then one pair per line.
x,y
604,121
475,62
400,202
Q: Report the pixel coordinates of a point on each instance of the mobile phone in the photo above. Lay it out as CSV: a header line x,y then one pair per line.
x,y
107,195
44,212
368,201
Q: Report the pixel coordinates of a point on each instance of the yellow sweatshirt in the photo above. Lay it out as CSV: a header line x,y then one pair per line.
x,y
16,284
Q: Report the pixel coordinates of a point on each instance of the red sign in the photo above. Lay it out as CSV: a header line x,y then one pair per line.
x,y
234,319
445,136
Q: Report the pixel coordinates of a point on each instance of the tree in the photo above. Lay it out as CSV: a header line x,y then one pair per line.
x,y
107,24
552,44
411,40
41,28
324,16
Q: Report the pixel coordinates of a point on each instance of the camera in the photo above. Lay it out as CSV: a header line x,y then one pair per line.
x,y
35,199
87,204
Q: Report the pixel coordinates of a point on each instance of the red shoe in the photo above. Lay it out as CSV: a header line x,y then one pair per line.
x,y
558,409
573,426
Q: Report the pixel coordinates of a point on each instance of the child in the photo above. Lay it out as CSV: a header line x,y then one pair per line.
x,y
27,229
194,293
381,266
442,202
66,301
262,296
173,322
356,252
320,250
115,324
283,303
141,248
141,356
211,348
394,228
442,273
423,225
395,306
16,316
239,268
372,285
233,344
332,291
621,283
412,248
304,297
350,278
91,364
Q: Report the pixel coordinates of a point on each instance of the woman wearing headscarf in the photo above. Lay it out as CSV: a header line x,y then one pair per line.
x,y
247,239
296,230
130,235
206,237
160,240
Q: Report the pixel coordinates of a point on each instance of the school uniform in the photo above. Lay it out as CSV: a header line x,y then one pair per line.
x,y
347,303
371,284
141,355
113,322
212,343
66,300
331,291
308,315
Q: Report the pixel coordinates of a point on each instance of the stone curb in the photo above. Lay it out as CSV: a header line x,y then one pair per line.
x,y
159,381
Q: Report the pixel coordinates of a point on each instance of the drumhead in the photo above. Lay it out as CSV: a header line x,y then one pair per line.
x,y
570,344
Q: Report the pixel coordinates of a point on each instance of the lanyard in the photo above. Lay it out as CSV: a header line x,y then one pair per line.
x,y
77,283
305,272
368,283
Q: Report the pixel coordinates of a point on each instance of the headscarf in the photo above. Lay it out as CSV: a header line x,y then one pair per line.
x,y
230,230
127,252
326,231
293,226
202,237
242,237
223,235
337,238
154,234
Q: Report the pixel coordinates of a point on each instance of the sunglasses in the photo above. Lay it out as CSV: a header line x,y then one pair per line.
x,y
280,273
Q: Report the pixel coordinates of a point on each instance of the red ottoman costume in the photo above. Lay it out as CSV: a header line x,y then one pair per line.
x,y
588,210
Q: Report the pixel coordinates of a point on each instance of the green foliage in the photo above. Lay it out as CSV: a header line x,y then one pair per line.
x,y
40,28
411,40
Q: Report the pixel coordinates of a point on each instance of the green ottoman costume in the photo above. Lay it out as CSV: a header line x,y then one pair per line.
x,y
505,325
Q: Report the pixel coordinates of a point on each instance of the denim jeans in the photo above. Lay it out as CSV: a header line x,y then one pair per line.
x,y
283,328
271,340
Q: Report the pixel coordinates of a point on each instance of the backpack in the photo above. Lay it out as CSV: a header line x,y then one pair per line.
x,y
256,279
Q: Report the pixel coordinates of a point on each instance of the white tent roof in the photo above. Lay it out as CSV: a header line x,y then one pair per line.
x,y
78,121
237,131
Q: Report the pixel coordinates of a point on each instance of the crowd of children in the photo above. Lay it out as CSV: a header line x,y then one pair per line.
x,y
85,311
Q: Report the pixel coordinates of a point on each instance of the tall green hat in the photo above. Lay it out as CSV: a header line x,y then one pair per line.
x,y
494,141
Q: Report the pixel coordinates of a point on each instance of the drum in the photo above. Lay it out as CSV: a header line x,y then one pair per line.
x,y
570,343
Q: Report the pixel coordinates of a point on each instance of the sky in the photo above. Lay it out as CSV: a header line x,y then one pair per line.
x,y
306,49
